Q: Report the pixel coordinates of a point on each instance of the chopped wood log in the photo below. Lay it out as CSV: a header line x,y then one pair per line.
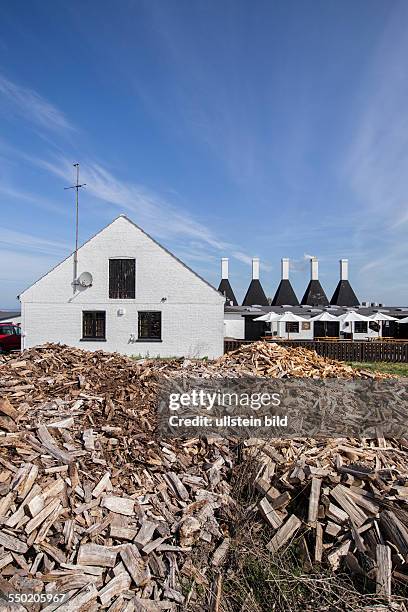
x,y
135,565
50,445
335,556
145,533
336,514
396,532
103,484
5,560
269,514
318,543
95,554
9,542
332,529
6,503
87,594
284,534
265,488
120,505
41,516
62,424
177,485
151,546
122,533
114,587
7,409
221,553
314,501
356,514
189,530
384,570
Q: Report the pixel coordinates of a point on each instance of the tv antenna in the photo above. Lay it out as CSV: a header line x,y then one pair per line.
x,y
77,187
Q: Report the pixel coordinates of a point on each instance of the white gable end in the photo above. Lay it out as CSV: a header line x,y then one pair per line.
x,y
158,273
191,310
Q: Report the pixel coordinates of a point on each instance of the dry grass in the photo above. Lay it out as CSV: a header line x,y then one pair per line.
x,y
254,580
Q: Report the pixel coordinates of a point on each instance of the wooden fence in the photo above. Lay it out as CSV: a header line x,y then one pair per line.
x,y
344,351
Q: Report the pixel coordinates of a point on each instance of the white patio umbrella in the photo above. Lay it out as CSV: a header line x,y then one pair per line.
x,y
352,317
325,317
289,317
269,317
380,317
405,320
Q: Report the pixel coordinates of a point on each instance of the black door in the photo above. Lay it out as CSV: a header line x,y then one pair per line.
x,y
254,330
326,329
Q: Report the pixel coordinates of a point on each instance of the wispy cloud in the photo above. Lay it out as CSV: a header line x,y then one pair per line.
x,y
377,163
27,242
35,200
151,211
32,107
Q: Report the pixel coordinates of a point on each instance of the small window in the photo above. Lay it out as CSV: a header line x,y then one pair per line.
x,y
306,326
292,328
7,330
149,326
122,279
360,327
93,325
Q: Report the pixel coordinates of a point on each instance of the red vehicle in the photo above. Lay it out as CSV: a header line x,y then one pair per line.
x,y
10,337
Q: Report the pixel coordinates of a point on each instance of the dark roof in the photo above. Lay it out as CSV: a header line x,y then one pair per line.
x,y
285,294
344,295
315,295
226,289
310,311
255,294
5,315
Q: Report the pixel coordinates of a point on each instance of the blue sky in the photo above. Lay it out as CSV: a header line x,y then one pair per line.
x,y
223,128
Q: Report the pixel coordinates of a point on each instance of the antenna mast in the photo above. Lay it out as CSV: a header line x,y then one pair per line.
x,y
77,187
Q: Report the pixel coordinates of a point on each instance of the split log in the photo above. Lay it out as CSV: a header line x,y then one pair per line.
x,y
284,534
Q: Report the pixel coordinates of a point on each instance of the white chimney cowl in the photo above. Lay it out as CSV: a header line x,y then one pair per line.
x,y
343,269
255,268
224,268
314,268
285,268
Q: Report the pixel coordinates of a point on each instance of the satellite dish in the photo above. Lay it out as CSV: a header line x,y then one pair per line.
x,y
85,279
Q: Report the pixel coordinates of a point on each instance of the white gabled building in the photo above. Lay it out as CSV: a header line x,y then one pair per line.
x,y
128,294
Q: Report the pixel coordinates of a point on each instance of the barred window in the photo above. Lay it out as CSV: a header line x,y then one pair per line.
x,y
122,279
149,326
292,328
93,325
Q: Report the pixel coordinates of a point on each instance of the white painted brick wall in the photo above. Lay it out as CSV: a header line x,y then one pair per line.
x,y
192,315
234,326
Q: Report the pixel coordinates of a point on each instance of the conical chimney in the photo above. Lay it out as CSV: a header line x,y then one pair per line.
x,y
344,294
285,296
314,294
255,294
225,287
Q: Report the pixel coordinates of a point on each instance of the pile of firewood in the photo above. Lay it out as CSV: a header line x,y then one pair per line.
x,y
91,504
346,500
277,361
95,508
